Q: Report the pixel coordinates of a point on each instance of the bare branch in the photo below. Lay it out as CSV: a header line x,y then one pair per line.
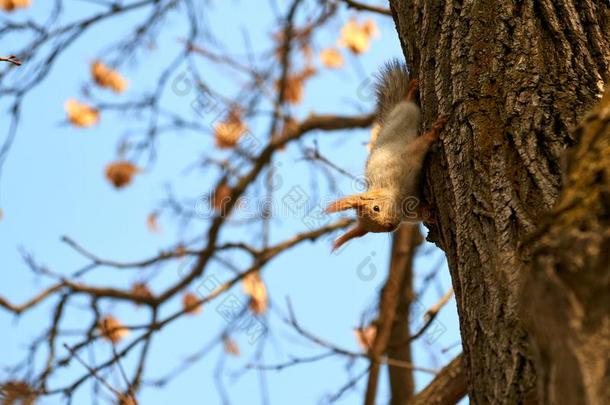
x,y
348,353
365,7
399,270
17,309
402,382
432,312
11,59
448,387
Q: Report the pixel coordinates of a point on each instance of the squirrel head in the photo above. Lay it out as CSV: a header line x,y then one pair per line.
x,y
376,211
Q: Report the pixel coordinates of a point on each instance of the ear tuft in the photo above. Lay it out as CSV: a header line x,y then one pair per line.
x,y
345,203
355,232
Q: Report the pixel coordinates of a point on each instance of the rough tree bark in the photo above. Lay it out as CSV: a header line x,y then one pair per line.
x,y
567,291
514,78
448,387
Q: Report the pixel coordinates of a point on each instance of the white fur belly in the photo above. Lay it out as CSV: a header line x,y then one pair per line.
x,y
383,167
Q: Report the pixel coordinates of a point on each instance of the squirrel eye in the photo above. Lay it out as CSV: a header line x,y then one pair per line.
x,y
376,208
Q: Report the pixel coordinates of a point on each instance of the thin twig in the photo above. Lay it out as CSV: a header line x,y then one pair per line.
x,y
92,371
365,7
11,59
339,350
432,313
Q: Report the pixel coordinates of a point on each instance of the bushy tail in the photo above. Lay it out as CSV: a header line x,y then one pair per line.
x,y
391,87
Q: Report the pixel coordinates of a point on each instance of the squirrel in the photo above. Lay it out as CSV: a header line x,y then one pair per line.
x,y
394,166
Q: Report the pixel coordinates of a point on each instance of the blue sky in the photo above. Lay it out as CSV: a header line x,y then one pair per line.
x,y
53,185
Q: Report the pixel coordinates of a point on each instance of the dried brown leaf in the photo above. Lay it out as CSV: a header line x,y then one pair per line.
x,y
141,290
11,5
80,114
331,58
17,393
121,173
255,288
190,304
230,346
112,329
366,337
357,37
152,222
370,26
228,132
109,78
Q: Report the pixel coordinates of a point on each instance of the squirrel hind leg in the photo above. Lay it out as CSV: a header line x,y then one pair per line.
x,y
422,143
436,129
426,214
412,89
439,124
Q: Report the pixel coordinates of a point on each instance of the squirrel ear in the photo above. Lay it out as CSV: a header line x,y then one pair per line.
x,y
345,203
355,232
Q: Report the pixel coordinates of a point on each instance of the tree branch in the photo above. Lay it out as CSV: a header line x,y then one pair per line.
x,y
365,7
402,384
400,269
11,59
448,387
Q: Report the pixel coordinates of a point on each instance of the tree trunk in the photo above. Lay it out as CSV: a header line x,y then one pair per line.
x,y
402,385
514,78
568,310
392,321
